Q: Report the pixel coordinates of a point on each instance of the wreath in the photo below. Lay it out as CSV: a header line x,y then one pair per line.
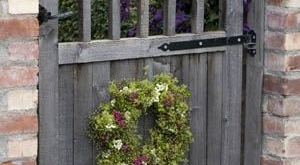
x,y
113,128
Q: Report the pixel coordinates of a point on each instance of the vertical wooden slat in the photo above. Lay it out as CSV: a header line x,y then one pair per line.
x,y
84,20
48,89
232,87
169,17
114,25
222,14
101,79
195,75
66,106
83,150
214,108
254,79
143,19
197,16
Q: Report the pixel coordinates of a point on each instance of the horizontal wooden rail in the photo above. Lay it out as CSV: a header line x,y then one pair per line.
x,y
129,48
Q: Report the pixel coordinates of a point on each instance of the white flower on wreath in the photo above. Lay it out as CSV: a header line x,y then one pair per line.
x,y
110,127
113,102
127,115
117,144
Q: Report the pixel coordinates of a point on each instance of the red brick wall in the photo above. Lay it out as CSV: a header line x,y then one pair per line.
x,y
281,113
19,54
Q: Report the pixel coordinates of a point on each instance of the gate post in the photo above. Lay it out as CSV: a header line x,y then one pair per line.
x,y
48,88
281,123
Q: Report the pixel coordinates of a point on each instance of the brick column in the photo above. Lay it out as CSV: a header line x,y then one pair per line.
x,y
281,118
19,53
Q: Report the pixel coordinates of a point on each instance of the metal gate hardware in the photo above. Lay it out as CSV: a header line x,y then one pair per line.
x,y
248,40
45,16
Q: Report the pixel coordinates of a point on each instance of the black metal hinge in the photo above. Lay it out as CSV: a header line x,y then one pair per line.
x,y
45,16
248,40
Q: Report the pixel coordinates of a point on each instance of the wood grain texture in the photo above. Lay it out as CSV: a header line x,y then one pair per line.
x,y
66,113
232,86
114,25
130,48
143,19
195,76
214,108
83,105
169,17
197,16
101,79
48,150
254,80
84,20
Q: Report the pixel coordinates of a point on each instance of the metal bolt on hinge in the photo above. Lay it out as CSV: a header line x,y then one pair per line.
x,y
45,16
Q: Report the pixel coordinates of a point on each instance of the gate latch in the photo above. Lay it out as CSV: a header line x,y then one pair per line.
x,y
45,16
248,39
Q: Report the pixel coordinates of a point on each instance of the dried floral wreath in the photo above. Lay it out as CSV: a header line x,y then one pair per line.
x,y
113,128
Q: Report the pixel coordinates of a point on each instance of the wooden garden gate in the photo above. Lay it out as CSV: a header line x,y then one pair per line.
x,y
74,78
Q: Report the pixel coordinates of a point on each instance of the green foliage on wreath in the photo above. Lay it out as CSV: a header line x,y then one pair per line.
x,y
113,128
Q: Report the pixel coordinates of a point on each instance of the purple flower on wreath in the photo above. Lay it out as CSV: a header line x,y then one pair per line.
x,y
119,118
133,95
141,159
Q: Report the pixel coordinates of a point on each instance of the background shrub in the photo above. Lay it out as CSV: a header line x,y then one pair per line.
x,y
68,28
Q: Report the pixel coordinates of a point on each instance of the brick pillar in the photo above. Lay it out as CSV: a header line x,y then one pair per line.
x,y
19,53
281,116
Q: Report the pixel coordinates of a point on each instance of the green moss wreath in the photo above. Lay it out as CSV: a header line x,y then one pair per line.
x,y
114,127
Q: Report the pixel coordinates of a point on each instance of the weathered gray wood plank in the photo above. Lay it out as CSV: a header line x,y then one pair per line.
x,y
114,25
84,20
253,141
222,14
66,112
143,19
232,86
129,48
195,76
197,16
101,79
214,108
83,150
169,17
48,89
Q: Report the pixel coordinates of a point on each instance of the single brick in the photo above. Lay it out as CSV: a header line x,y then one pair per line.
x,y
281,21
285,3
3,8
275,41
23,51
6,163
18,123
293,62
23,7
288,106
273,125
292,41
293,147
268,160
292,127
280,85
22,99
273,146
22,148
18,76
291,3
274,2
19,27
274,61
29,163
